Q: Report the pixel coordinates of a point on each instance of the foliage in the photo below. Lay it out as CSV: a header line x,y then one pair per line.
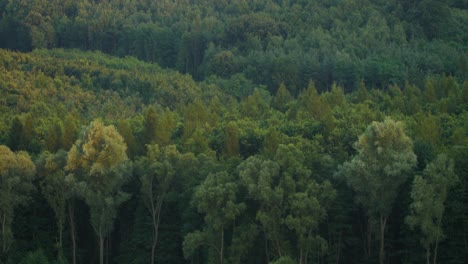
x,y
246,108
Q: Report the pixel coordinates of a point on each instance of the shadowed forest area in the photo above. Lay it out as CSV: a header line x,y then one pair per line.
x,y
246,131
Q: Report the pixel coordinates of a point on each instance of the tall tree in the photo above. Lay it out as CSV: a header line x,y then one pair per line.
x,y
157,171
216,198
287,196
50,168
99,166
427,209
382,164
16,175
261,178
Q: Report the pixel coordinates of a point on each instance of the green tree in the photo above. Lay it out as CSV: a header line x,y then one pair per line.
x,y
69,131
148,135
287,196
157,171
16,175
216,198
57,192
261,177
99,166
166,126
231,143
15,134
282,98
307,208
125,129
429,194
382,164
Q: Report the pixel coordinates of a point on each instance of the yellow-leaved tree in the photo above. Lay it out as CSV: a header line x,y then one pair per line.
x,y
99,166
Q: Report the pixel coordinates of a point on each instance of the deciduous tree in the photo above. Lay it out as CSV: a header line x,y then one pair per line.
x,y
16,175
99,166
382,164
427,209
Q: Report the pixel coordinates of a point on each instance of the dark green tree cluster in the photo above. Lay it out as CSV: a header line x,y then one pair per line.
x,y
266,42
115,160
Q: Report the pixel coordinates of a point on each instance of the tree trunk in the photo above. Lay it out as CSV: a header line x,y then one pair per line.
x,y
435,251
278,248
156,220
267,254
101,249
72,232
300,256
369,237
3,233
60,249
108,248
428,254
340,240
383,222
221,251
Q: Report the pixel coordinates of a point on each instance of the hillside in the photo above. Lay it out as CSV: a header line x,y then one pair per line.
x,y
256,131
266,41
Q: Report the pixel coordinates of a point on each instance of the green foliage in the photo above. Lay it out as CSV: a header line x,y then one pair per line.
x,y
16,174
216,198
283,90
429,194
56,189
99,167
382,164
36,257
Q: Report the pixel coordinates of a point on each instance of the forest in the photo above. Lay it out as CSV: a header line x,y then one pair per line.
x,y
224,132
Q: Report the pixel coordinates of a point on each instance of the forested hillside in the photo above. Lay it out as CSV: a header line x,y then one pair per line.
x,y
255,131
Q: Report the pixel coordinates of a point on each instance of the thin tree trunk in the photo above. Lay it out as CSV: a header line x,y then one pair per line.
x,y
4,233
369,237
156,220
278,248
300,256
428,254
435,251
60,249
221,251
339,247
101,249
108,247
383,222
72,232
267,253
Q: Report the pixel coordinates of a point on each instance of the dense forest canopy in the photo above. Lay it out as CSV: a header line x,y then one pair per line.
x,y
247,131
266,41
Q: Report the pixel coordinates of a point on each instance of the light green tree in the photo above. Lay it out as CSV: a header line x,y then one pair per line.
x,y
429,194
382,164
99,166
16,175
